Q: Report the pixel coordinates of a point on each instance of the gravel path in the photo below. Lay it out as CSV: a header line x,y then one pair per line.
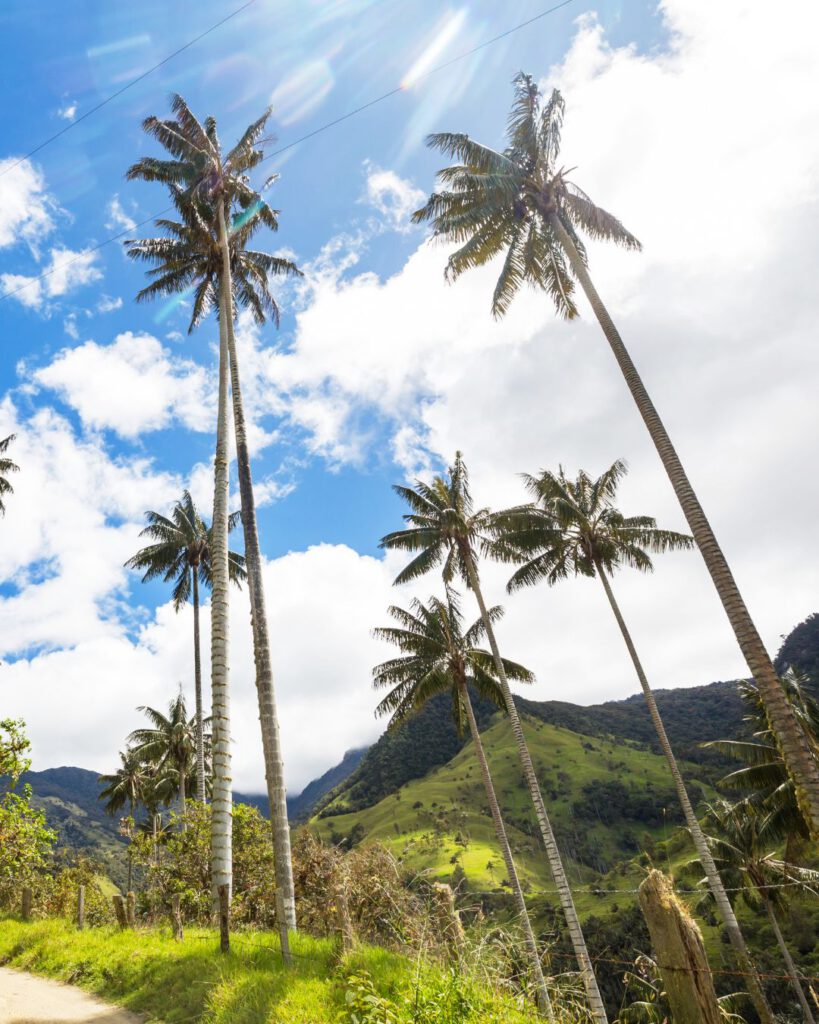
x,y
27,999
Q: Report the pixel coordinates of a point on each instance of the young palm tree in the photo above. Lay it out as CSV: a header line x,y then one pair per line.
x,y
131,785
574,528
6,467
445,529
168,749
739,846
180,554
437,656
522,204
768,790
199,252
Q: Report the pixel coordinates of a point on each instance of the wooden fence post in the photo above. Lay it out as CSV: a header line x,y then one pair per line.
x,y
224,918
176,918
25,903
449,919
345,922
119,910
130,909
81,907
678,947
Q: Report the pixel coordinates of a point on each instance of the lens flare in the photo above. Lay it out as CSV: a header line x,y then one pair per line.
x,y
446,30
173,303
302,91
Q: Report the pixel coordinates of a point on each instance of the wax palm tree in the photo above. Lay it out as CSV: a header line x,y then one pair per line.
x,y
6,467
744,849
766,787
521,204
180,554
167,747
131,785
198,252
444,529
574,528
437,656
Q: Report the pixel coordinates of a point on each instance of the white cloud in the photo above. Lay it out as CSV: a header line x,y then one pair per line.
x,y
106,304
66,270
68,112
26,209
117,216
70,326
393,197
131,386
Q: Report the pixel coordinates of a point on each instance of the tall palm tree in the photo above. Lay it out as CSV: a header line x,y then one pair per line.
x,y
130,785
437,656
444,528
6,467
739,845
199,252
522,204
767,788
575,529
168,748
180,554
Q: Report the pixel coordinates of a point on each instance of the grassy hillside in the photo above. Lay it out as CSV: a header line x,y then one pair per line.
x,y
608,801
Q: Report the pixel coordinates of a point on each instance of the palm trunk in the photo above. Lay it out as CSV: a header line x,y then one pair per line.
x,y
544,1004
222,800
549,842
726,911
271,743
789,736
197,675
183,803
790,965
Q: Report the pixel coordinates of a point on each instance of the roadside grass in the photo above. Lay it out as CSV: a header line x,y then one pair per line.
x,y
147,972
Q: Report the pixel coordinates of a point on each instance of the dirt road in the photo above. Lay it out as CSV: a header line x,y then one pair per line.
x,y
26,999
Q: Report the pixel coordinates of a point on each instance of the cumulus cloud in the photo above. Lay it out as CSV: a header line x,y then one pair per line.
x,y
26,208
68,112
131,386
393,197
117,217
107,304
65,271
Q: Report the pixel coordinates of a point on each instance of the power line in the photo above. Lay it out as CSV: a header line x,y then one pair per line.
x,y
317,131
125,88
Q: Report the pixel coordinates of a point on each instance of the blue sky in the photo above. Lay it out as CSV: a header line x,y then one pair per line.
x,y
379,371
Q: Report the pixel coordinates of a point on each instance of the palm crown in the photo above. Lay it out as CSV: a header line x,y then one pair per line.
x,y
189,255
182,545
438,656
6,467
443,526
493,202
168,746
129,785
574,527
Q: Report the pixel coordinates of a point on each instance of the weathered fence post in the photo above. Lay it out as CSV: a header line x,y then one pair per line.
x,y
224,918
176,918
284,935
25,903
678,947
119,910
448,918
81,907
345,922
130,909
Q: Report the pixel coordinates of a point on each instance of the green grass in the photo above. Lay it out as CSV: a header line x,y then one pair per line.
x,y
452,802
148,972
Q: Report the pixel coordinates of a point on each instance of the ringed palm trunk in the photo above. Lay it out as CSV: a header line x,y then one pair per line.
x,y
268,717
222,799
183,803
789,964
197,674
548,836
789,736
544,1004
726,911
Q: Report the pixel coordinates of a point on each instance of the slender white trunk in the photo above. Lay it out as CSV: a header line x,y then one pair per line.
x,y
201,793
791,966
268,717
549,841
222,799
544,1004
790,738
726,911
